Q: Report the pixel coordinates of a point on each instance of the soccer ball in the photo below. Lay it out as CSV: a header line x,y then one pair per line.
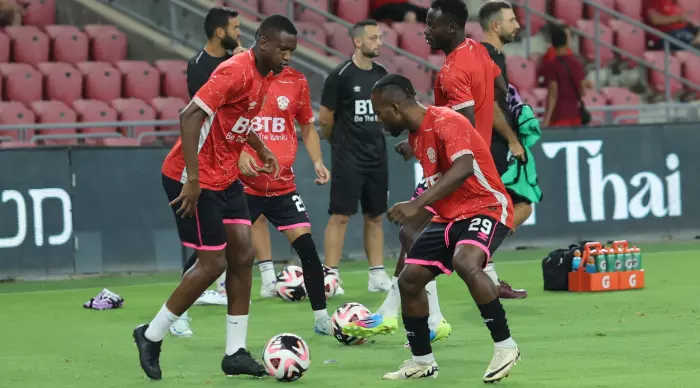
x,y
349,312
290,284
330,282
286,357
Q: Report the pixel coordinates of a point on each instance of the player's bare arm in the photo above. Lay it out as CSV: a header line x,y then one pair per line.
x,y
266,156
312,142
501,126
404,149
325,118
190,121
468,112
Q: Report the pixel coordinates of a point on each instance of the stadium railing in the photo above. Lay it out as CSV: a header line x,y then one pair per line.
x,y
130,127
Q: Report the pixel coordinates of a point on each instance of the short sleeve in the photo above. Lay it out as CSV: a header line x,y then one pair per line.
x,y
330,95
457,89
496,69
455,133
219,89
305,113
196,77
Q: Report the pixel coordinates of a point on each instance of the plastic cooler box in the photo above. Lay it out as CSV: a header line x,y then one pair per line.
x,y
582,281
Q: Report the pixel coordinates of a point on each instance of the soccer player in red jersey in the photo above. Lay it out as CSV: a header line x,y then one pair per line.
x,y
200,178
473,214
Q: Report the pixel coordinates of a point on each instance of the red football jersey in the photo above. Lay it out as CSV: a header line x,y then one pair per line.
x,y
288,98
232,97
467,79
445,135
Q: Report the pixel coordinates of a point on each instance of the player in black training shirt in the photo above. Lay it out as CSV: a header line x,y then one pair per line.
x,y
359,169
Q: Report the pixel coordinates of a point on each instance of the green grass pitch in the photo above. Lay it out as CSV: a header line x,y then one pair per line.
x,y
644,338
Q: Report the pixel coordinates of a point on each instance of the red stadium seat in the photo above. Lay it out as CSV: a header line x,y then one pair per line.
x,y
95,111
690,6
657,77
420,75
540,94
107,43
39,12
167,64
101,80
132,109
521,72
412,39
389,37
689,66
629,38
339,38
312,32
68,44
588,45
594,99
622,96
245,8
29,45
168,108
352,10
604,17
120,142
304,14
55,112
437,59
140,80
17,144
21,82
91,29
569,11
536,22
474,31
4,48
15,113
174,78
531,99
62,82
631,8
269,7
388,64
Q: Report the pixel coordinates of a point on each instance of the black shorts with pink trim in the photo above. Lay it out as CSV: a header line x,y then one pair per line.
x,y
420,189
205,231
436,245
285,212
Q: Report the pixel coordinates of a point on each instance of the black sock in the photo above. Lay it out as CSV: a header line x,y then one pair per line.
x,y
495,319
313,270
190,263
418,334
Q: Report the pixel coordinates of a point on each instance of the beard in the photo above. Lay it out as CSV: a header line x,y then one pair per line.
x,y
508,38
369,53
229,44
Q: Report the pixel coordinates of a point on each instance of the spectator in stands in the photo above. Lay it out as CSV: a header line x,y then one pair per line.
x,y
668,17
551,54
565,80
397,11
11,13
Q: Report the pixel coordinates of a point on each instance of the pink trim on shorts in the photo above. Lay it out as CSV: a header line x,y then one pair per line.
x,y
294,226
199,229
237,221
429,263
447,236
478,245
430,209
204,247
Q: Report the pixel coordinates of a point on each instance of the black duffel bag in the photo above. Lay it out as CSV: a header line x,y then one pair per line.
x,y
557,265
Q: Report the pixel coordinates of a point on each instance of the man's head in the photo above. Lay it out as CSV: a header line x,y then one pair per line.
x,y
560,38
276,40
391,97
498,18
445,23
221,25
367,38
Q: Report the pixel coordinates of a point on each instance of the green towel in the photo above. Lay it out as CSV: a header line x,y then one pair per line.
x,y
522,177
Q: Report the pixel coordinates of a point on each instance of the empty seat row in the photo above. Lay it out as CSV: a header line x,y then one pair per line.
x,y
38,12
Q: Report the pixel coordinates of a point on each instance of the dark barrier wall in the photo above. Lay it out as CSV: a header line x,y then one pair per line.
x,y
65,211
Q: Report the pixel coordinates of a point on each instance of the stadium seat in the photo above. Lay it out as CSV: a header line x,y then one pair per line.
x,y
173,78
243,7
101,80
631,8
107,43
167,64
17,144
307,14
531,99
132,109
389,37
420,75
95,111
21,82
4,48
521,72
39,13
269,7
570,11
62,82
604,16
657,77
29,44
629,38
119,142
540,94
339,38
594,99
622,96
689,66
437,60
536,22
68,44
473,31
588,45
168,108
16,113
55,112
313,32
412,39
140,80
692,7
388,64
352,10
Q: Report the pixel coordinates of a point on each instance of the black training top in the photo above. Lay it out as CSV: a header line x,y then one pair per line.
x,y
199,68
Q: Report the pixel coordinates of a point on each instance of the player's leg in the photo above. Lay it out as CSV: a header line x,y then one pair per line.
x,y
263,252
181,327
374,200
346,186
205,233
240,256
477,239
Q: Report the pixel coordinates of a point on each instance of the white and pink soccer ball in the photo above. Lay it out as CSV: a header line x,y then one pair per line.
x,y
330,282
286,357
290,284
349,312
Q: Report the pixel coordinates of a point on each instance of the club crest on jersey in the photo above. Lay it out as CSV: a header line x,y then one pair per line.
x,y
431,154
282,102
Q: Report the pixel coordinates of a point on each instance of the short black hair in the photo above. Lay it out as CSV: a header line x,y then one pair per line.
x,y
359,27
217,17
559,37
455,8
274,24
489,10
400,87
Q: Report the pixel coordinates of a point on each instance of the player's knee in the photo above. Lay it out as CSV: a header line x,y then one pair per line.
x,y
214,264
406,239
372,219
408,284
469,261
339,219
243,256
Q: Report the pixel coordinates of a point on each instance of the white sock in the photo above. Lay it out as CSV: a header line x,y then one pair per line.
x,y
390,307
236,331
334,271
433,305
491,271
184,315
160,324
319,314
509,343
428,359
267,272
376,271
221,282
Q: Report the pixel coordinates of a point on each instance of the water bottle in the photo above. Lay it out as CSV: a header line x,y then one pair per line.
x,y
590,263
577,261
600,262
636,258
610,261
629,260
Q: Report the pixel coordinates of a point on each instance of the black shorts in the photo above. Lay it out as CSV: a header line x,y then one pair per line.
x,y
435,247
348,186
205,231
284,212
502,158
